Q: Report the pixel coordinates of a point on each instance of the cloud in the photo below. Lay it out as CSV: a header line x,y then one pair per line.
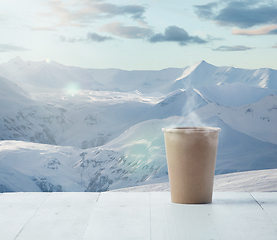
x,y
81,12
176,34
273,32
211,38
242,14
11,48
70,40
43,29
232,48
205,11
91,37
274,46
97,38
171,34
111,10
266,30
132,32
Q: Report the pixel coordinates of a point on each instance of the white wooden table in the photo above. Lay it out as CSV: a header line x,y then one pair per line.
x,y
136,215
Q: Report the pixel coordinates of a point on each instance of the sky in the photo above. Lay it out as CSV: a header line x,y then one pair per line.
x,y
140,34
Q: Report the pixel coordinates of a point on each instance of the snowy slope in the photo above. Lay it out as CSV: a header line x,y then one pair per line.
x,y
143,81
256,119
250,181
44,167
204,74
12,180
178,103
240,152
101,116
85,119
41,123
12,97
24,118
235,94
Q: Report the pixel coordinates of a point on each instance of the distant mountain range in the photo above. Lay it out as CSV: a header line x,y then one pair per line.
x,y
74,129
202,74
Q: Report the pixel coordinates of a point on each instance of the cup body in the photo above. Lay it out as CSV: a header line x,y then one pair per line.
x,y
191,157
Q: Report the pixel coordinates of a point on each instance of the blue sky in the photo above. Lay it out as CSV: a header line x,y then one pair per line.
x,y
145,34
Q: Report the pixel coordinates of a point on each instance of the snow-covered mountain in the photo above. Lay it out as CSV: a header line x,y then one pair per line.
x,y
235,94
47,74
204,74
87,119
13,97
73,129
135,157
52,75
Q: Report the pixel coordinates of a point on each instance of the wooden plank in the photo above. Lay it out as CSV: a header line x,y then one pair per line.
x,y
268,201
239,216
179,221
16,209
61,216
120,215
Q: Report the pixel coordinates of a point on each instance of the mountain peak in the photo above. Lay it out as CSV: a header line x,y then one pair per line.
x,y
13,63
190,69
202,63
16,60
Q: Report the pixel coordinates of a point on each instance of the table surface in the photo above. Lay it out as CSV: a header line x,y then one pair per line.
x,y
136,215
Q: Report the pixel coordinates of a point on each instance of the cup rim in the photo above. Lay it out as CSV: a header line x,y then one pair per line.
x,y
192,129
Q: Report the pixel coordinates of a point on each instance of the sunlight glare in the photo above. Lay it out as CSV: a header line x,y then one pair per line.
x,y
72,88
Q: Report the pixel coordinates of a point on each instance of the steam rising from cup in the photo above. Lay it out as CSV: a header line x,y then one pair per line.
x,y
194,100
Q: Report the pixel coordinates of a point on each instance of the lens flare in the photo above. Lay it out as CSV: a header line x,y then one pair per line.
x,y
72,88
47,60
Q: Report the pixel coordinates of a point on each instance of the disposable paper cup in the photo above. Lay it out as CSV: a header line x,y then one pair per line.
x,y
191,157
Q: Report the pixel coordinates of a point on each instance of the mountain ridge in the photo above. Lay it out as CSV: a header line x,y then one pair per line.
x,y
165,80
